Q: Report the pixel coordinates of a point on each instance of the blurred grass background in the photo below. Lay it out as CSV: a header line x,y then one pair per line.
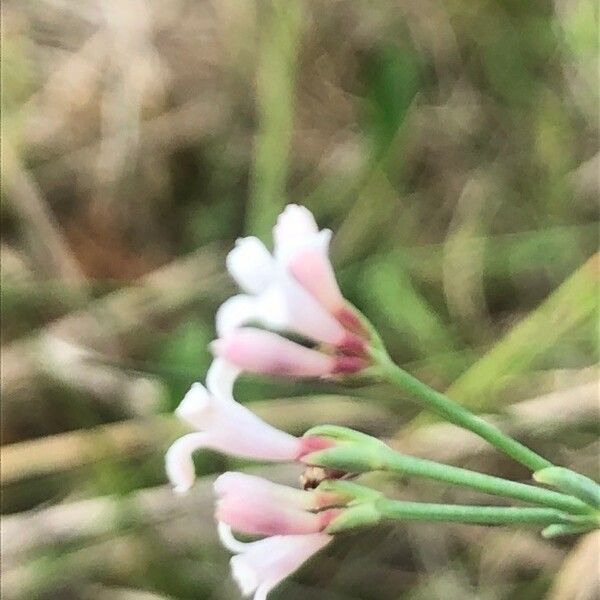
x,y
453,149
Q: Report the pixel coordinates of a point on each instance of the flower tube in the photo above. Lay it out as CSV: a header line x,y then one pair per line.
x,y
259,351
228,427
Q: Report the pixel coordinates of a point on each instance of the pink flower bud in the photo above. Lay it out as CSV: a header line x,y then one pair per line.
x,y
258,567
258,351
245,485
256,506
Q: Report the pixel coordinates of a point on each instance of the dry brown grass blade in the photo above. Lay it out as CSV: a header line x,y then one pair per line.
x,y
62,452
49,247
157,294
98,517
165,133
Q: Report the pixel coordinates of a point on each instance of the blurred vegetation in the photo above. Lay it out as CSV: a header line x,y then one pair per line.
x,y
453,149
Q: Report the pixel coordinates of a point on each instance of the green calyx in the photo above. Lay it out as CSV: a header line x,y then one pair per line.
x,y
347,492
561,529
357,452
342,434
365,514
353,452
572,483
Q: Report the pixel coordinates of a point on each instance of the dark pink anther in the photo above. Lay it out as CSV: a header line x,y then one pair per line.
x,y
350,320
353,345
346,365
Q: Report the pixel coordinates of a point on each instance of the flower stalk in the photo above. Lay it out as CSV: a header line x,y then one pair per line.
x,y
367,507
396,510
454,413
361,453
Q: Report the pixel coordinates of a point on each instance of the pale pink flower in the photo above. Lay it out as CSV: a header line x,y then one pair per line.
x,y
294,290
228,427
256,506
304,251
260,566
259,351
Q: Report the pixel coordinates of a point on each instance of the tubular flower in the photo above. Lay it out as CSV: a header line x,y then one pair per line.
x,y
292,290
258,567
303,250
256,506
228,427
259,351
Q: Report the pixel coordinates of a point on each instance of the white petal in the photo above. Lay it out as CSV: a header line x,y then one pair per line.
x,y
220,379
228,539
235,312
294,222
194,404
322,240
264,588
306,316
251,265
178,460
296,229
271,308
243,574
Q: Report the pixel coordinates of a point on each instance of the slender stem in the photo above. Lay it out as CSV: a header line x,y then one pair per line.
x,y
458,415
489,484
485,515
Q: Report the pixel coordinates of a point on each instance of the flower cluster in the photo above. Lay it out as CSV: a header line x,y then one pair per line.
x,y
292,291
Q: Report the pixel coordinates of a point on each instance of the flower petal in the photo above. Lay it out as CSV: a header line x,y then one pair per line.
x,y
264,564
266,515
195,405
251,265
258,351
294,224
229,540
257,506
307,316
236,312
313,271
178,460
220,379
243,484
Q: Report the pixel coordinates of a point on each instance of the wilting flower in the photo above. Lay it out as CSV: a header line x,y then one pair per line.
x,y
294,289
259,351
260,566
255,506
226,426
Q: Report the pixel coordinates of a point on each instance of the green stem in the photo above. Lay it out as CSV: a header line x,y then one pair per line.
x,y
484,515
489,484
454,413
